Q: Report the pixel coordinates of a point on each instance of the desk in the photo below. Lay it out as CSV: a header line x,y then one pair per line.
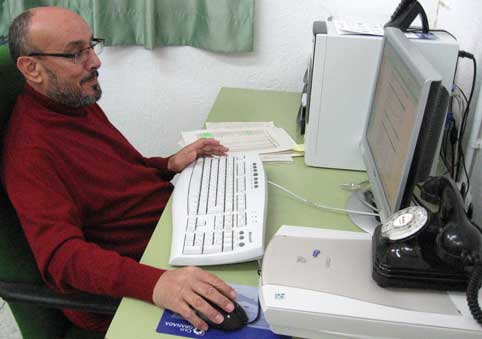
x,y
137,319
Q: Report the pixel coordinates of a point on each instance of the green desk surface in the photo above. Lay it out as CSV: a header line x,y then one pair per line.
x,y
138,320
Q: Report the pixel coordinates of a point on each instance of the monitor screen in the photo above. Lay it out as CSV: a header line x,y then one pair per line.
x,y
403,128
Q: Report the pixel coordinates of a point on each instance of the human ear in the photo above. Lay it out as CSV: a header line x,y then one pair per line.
x,y
30,69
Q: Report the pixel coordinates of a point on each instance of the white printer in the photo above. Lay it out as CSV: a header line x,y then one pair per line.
x,y
310,288
339,86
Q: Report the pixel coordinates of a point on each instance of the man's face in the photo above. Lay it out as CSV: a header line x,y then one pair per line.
x,y
71,83
72,91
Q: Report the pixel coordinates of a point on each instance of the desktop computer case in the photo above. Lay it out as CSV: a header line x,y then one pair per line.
x,y
341,78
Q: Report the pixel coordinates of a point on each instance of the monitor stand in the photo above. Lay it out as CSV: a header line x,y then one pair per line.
x,y
360,201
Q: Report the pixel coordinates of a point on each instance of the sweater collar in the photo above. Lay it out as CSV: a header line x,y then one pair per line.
x,y
53,105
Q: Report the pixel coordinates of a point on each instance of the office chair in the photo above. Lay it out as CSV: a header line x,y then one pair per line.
x,y
35,307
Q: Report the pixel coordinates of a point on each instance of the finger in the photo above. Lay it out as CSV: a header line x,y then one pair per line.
x,y
187,313
209,292
216,150
201,305
211,141
221,149
203,142
210,144
219,284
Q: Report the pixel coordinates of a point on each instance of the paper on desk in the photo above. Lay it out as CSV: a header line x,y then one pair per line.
x,y
270,157
259,140
283,156
238,125
351,25
300,148
247,297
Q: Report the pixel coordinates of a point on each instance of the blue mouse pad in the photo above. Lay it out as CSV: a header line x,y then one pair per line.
x,y
247,297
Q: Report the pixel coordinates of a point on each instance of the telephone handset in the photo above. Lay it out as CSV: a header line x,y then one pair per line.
x,y
405,14
418,248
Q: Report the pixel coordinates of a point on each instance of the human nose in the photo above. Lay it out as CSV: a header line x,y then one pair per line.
x,y
94,61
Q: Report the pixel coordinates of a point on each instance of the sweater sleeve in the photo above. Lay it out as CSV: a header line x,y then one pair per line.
x,y
52,222
161,165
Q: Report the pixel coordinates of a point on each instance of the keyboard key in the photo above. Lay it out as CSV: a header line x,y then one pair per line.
x,y
241,200
228,221
189,239
191,224
212,249
227,242
241,219
204,221
192,250
218,238
219,222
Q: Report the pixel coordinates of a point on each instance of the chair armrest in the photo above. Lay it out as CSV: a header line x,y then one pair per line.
x,y
43,296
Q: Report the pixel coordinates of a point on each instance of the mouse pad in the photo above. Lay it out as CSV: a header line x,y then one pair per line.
x,y
247,297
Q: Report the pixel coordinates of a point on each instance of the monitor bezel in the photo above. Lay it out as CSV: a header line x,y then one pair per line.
x,y
425,75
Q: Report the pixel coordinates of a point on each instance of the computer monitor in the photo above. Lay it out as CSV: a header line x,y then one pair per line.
x,y
403,129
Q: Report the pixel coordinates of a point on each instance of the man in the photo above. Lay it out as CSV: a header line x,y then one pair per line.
x,y
87,200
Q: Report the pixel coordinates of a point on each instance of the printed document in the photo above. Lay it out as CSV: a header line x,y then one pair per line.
x,y
260,140
239,125
349,25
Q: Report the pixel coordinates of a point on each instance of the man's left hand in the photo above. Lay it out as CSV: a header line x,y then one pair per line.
x,y
191,152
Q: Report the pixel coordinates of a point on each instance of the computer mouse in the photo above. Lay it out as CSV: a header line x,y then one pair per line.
x,y
234,320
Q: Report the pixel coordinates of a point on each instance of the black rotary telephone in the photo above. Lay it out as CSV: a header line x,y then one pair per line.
x,y
418,248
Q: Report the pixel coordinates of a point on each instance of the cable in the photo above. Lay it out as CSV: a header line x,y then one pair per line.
x,y
445,144
463,54
259,267
464,119
462,159
364,202
353,187
324,207
454,134
257,314
449,151
258,270
462,92
473,287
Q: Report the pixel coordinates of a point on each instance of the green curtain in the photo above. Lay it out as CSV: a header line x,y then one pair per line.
x,y
215,25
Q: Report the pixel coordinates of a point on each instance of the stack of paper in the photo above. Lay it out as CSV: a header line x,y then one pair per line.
x,y
352,25
271,142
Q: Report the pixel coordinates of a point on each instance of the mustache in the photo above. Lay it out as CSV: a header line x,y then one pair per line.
x,y
93,75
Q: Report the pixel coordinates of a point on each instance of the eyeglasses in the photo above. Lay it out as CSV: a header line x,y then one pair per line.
x,y
97,45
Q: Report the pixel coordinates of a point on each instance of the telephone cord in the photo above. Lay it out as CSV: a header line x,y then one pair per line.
x,y
473,287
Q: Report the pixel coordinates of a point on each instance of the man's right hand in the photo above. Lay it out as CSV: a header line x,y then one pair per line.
x,y
186,289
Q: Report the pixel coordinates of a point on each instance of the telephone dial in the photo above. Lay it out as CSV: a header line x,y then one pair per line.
x,y
420,248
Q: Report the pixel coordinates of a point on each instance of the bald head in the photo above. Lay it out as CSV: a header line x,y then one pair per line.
x,y
41,27
54,50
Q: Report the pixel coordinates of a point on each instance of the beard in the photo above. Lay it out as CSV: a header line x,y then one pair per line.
x,y
70,95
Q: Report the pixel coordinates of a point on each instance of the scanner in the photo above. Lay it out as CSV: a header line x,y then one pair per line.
x,y
316,283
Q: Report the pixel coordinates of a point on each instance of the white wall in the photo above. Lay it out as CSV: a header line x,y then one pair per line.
x,y
152,95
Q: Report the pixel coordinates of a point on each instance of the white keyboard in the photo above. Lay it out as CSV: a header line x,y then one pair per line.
x,y
219,211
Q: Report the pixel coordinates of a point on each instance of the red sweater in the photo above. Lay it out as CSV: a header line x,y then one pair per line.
x,y
88,202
